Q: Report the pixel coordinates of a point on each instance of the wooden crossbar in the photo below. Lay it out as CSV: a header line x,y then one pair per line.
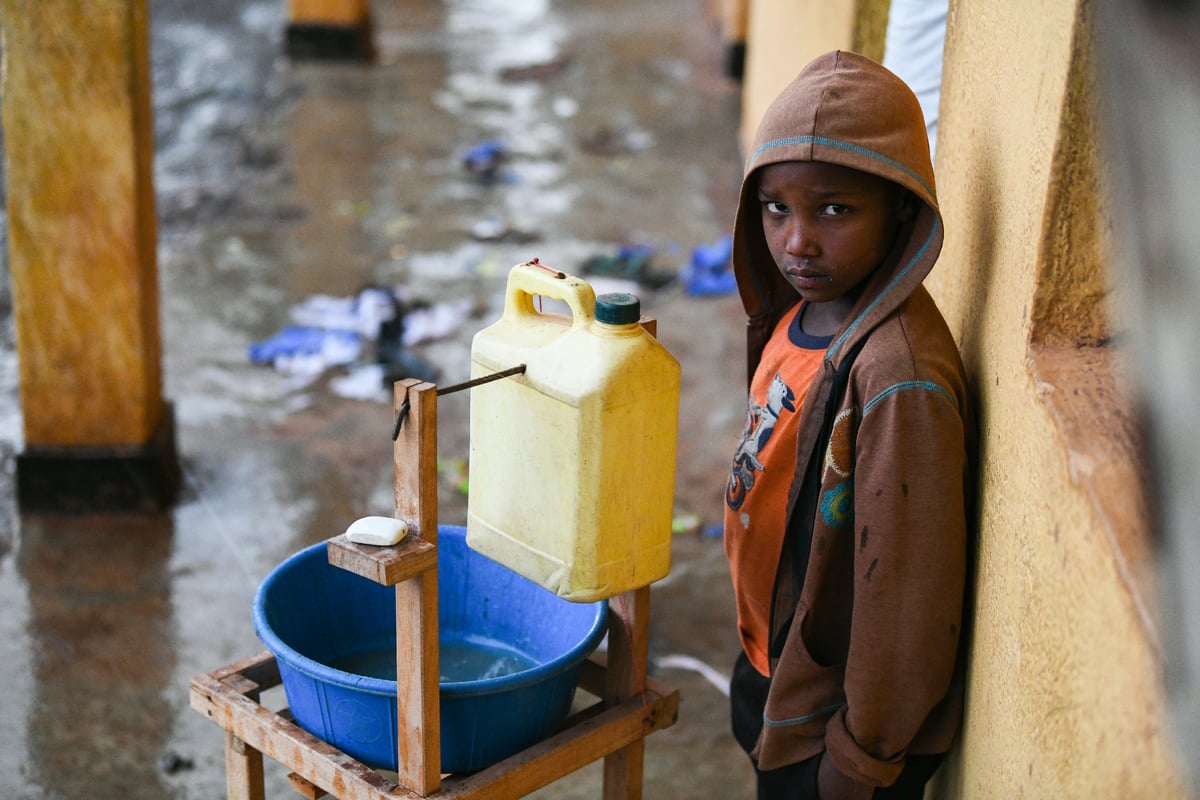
x,y
225,697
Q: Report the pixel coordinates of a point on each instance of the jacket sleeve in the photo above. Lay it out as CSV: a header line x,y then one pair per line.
x,y
909,576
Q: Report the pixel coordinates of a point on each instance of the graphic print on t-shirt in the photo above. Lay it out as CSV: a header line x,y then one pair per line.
x,y
760,423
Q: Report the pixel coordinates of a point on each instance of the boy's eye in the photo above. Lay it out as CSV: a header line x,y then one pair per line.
x,y
835,210
775,207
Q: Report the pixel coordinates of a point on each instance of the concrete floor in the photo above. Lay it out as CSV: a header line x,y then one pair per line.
x,y
279,181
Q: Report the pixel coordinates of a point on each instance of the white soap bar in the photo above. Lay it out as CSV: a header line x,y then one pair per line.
x,y
377,530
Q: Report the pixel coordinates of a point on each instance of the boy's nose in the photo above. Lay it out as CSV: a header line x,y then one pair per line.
x,y
801,241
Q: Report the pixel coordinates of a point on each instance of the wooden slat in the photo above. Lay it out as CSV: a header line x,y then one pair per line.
x,y
628,649
243,686
418,690
261,668
243,770
306,788
408,558
592,675
573,748
312,759
414,458
336,773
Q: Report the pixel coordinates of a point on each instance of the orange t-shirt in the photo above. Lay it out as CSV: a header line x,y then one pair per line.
x,y
761,476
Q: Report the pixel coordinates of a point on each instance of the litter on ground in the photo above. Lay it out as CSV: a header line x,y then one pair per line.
x,y
709,273
340,332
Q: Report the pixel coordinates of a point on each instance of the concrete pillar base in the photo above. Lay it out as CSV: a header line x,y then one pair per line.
x,y
330,42
735,61
69,480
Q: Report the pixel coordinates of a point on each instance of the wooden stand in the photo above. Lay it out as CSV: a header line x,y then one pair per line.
x,y
629,705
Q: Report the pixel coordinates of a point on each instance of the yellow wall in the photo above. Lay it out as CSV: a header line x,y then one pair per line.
x,y
1065,695
784,35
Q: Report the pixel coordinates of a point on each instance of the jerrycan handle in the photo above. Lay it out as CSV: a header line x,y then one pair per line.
x,y
525,281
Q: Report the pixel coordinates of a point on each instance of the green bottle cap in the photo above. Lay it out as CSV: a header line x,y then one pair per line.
x,y
618,308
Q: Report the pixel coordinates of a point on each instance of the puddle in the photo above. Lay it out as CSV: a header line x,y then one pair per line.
x,y
279,181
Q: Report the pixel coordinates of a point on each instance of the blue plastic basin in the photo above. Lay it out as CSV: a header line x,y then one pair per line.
x,y
312,616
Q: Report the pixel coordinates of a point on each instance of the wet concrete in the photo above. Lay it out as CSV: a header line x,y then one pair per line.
x,y
279,181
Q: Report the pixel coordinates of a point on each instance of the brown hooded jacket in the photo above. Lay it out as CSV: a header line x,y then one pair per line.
x,y
871,668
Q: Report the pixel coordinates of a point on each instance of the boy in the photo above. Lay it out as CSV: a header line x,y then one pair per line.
x,y
847,508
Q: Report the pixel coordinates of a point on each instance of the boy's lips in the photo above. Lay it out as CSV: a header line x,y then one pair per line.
x,y
806,276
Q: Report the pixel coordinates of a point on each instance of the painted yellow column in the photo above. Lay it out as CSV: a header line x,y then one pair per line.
x,y
329,29
82,229
328,12
1064,695
784,35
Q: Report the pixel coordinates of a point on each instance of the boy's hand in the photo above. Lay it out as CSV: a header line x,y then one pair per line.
x,y
833,785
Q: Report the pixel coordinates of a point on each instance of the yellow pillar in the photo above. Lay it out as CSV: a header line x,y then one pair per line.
x,y
782,36
1064,690
82,236
329,29
732,18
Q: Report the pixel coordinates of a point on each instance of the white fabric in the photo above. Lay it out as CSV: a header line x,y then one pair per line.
x,y
913,49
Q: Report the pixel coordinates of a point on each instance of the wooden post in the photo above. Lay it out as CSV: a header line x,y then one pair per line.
x,y
414,458
243,770
628,654
628,649
78,140
417,667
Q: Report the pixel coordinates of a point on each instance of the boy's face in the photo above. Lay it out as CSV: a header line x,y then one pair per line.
x,y
828,227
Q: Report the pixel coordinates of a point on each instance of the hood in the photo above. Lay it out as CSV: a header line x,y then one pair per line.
x,y
843,109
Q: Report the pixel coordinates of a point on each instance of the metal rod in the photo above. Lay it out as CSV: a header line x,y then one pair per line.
x,y
458,387
495,376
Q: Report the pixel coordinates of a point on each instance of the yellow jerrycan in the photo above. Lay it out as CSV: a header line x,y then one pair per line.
x,y
572,463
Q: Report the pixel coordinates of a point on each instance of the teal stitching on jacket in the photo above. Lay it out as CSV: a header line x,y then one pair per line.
x,y
929,386
803,718
839,144
899,277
